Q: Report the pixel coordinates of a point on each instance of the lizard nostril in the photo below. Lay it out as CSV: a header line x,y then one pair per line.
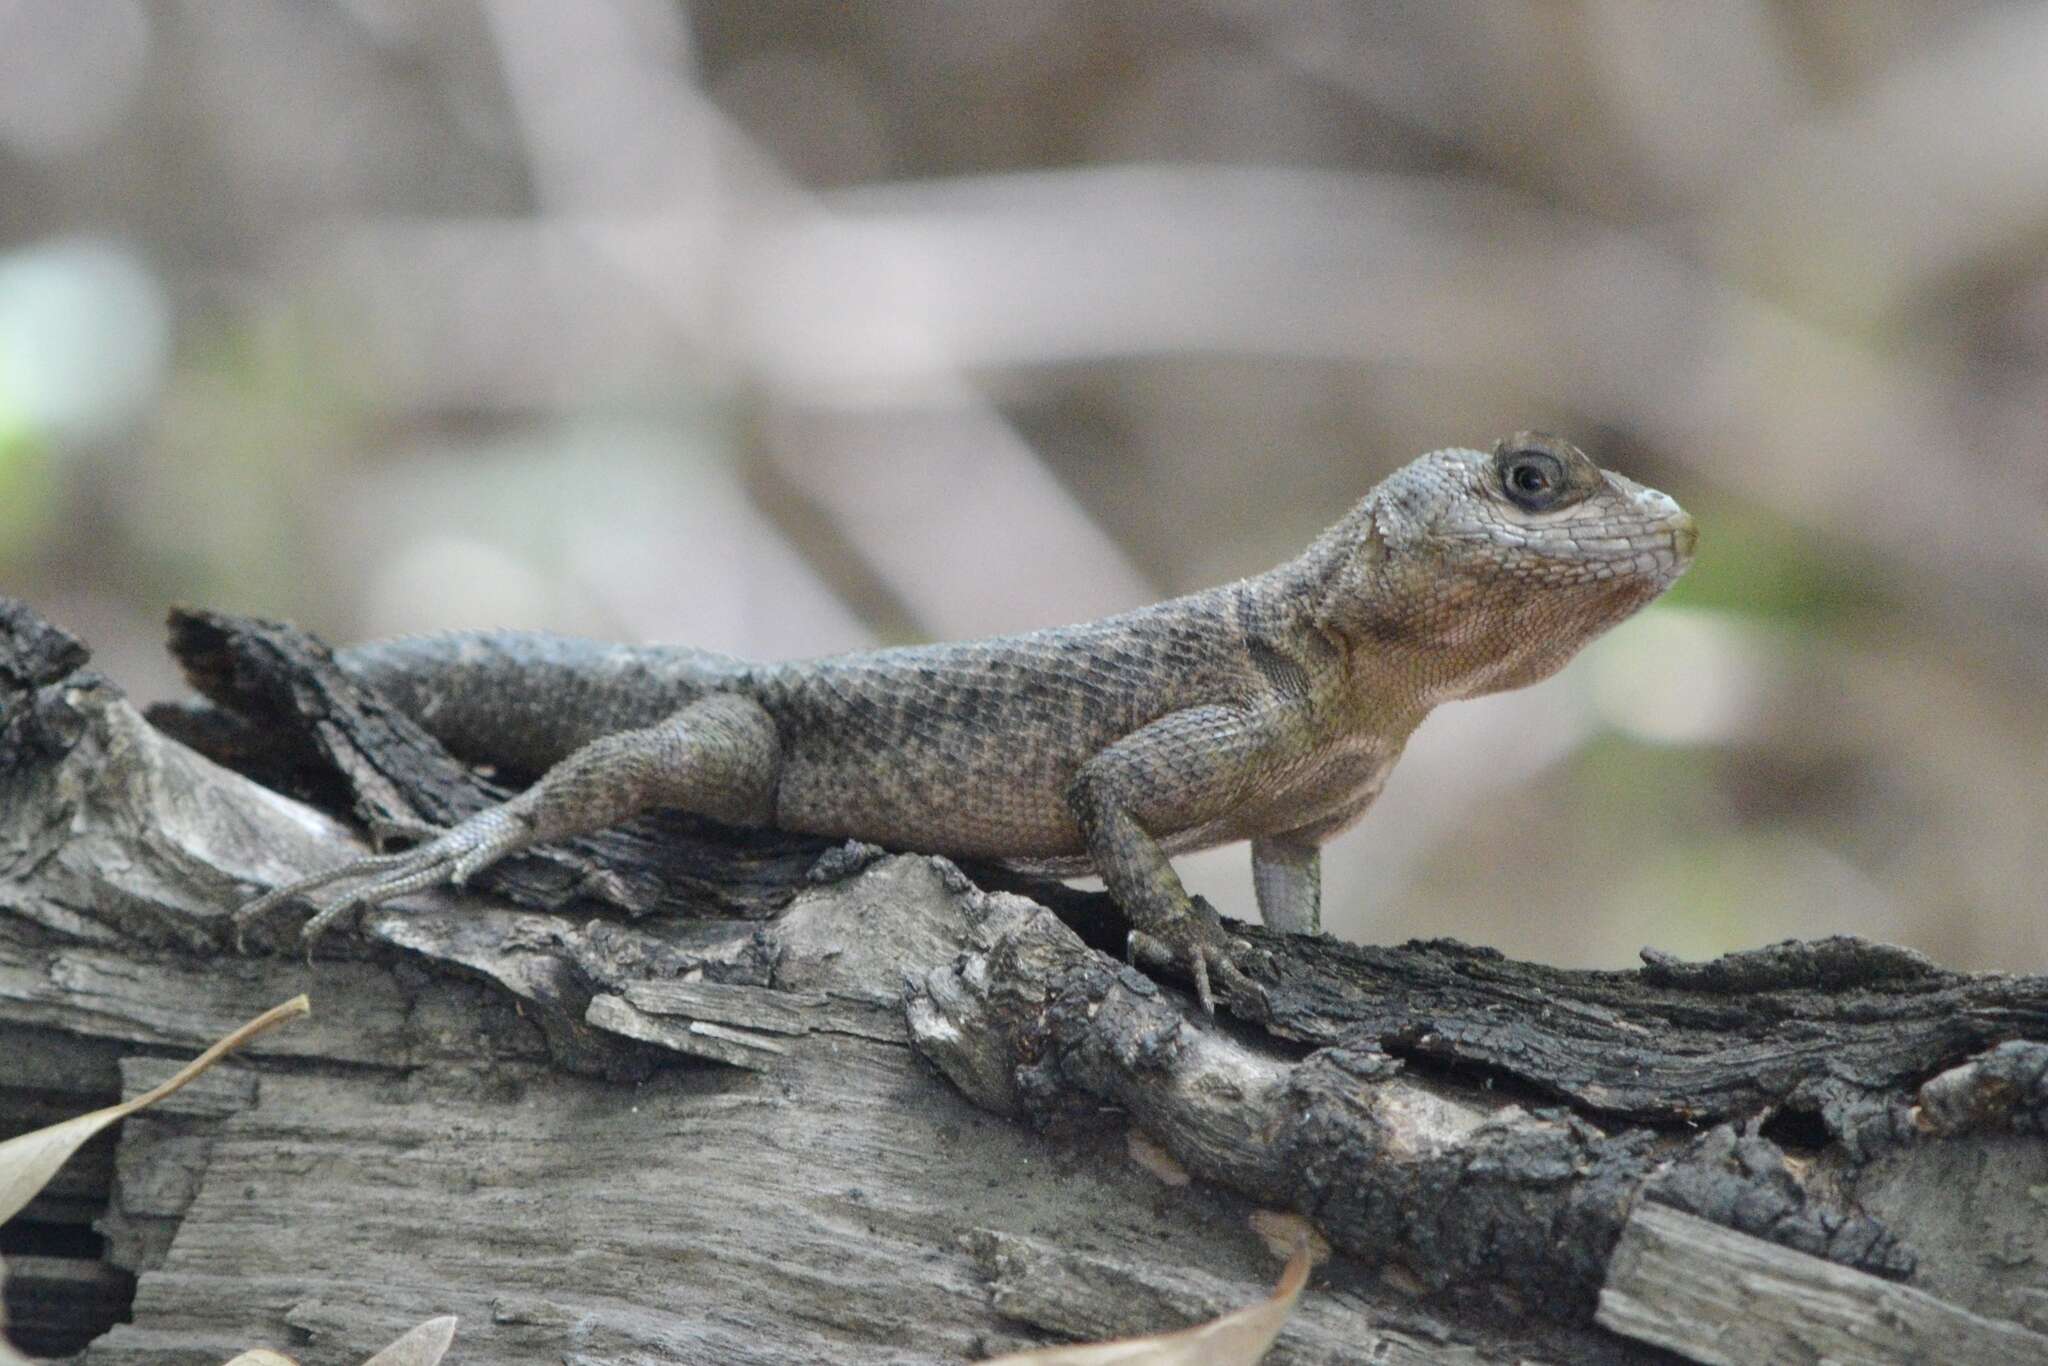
x,y
1685,534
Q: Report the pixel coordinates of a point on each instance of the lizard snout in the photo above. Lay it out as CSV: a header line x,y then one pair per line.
x,y
1673,520
1662,511
1685,533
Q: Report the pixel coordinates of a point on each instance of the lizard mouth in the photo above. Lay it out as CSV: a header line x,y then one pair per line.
x,y
1650,553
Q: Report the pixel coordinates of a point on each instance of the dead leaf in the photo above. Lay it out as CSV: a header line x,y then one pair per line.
x,y
421,1346
1241,1338
29,1161
1147,1153
1283,1231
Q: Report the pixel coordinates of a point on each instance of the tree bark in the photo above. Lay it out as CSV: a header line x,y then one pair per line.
x,y
676,1093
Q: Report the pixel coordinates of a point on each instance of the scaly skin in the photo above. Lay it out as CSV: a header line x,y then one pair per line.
x,y
1271,709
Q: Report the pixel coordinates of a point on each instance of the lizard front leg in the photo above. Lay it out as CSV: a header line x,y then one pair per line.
x,y
1177,773
719,756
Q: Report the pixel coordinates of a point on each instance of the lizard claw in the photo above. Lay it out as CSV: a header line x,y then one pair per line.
x,y
450,856
1196,941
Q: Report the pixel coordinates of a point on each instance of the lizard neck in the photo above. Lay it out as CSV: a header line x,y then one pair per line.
x,y
1399,623
1380,681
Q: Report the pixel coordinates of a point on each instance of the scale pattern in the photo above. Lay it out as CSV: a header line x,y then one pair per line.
x,y
1271,709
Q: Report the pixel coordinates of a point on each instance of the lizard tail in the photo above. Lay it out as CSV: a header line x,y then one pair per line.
x,y
526,699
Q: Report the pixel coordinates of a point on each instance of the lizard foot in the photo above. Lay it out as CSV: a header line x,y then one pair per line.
x,y
1195,940
386,829
452,856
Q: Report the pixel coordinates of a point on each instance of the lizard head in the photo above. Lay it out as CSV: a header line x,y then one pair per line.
x,y
1471,572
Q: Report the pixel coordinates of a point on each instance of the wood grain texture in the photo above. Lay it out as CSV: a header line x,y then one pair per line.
x,y
500,1112
1717,1296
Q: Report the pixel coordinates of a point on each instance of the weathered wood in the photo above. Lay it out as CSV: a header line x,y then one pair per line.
x,y
1717,1296
691,1038
739,1025
418,1147
1455,1185
1092,1298
747,1007
1810,1026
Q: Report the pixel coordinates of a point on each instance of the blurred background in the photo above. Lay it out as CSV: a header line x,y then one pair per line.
x,y
784,328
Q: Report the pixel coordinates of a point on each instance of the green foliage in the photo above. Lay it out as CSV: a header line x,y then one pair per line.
x,y
30,491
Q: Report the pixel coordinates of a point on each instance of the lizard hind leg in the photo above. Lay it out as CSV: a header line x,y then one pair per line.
x,y
720,756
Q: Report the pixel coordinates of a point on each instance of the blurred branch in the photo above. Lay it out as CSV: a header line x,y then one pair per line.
x,y
1063,266
887,298
669,197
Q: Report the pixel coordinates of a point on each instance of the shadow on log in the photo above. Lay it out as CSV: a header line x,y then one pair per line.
x,y
663,1093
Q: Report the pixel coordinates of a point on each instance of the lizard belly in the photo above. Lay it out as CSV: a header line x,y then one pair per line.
x,y
1323,796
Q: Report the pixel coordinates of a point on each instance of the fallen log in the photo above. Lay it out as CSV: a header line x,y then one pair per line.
x,y
670,1093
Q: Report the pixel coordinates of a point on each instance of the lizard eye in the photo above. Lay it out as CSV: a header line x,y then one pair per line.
x,y
1532,479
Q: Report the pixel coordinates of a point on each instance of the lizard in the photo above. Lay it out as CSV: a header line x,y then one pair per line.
x,y
1270,709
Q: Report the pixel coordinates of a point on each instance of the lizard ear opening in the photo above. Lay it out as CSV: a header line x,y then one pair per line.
x,y
1356,555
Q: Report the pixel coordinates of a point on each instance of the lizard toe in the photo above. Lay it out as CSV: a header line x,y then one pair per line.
x,y
324,918
451,856
1246,995
1194,942
386,829
253,910
1204,993
1167,951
